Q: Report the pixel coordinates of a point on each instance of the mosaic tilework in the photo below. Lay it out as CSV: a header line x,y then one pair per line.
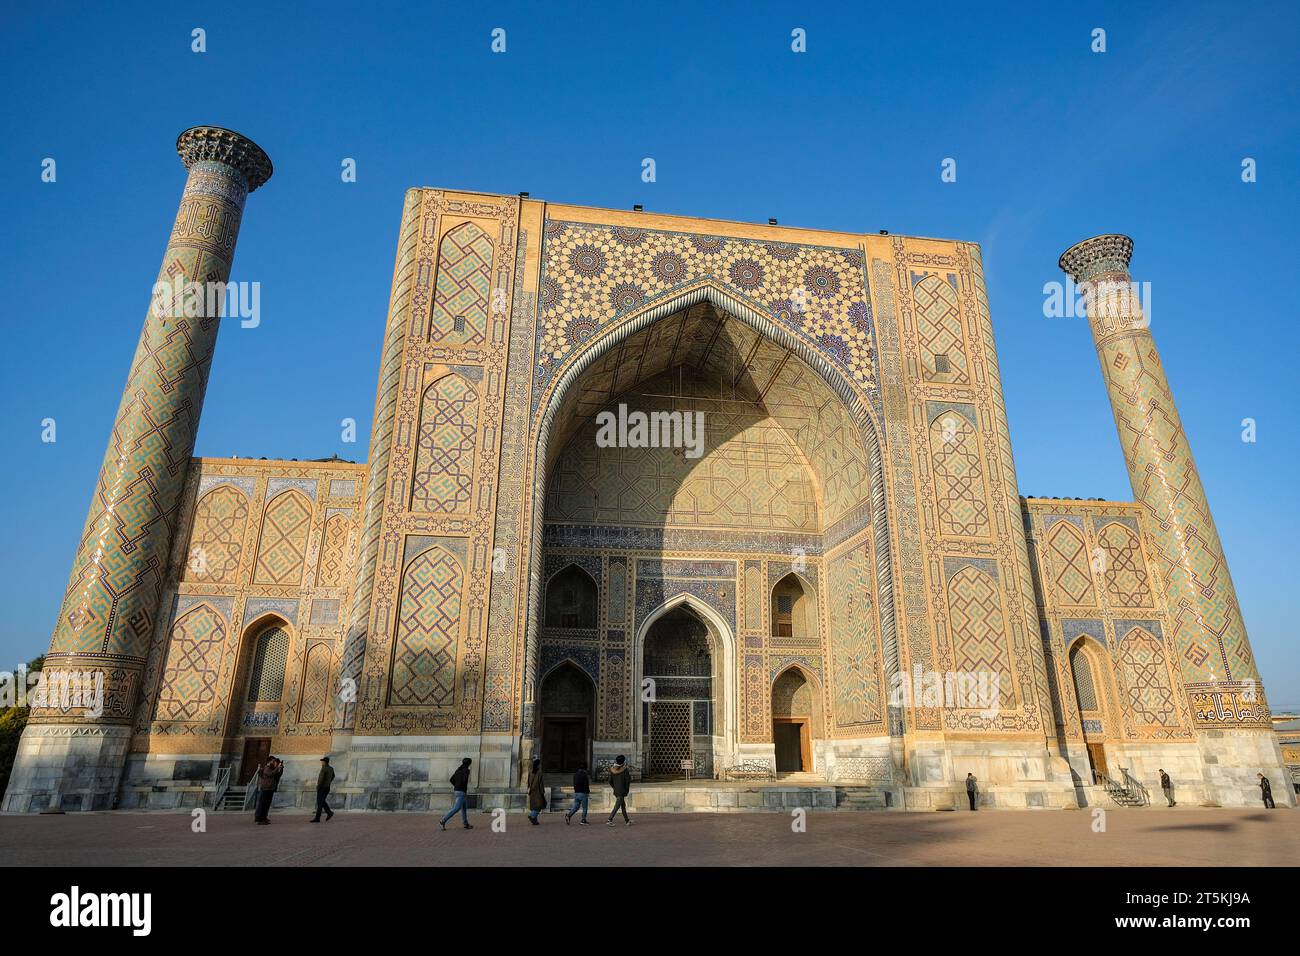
x,y
958,476
217,539
1073,581
460,302
424,652
282,552
334,566
444,460
596,274
189,684
313,699
856,690
979,628
1124,570
1150,697
939,331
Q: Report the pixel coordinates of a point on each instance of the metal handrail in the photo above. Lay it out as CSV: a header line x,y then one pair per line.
x,y
1131,783
250,792
223,784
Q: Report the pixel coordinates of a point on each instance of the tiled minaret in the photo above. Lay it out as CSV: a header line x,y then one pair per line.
x,y
72,755
1209,637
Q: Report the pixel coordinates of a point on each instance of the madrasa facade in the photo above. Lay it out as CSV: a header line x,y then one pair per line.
x,y
737,501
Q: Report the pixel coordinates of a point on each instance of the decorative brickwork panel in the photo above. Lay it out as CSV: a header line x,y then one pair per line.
x,y
189,683
1071,574
856,697
444,461
1145,671
315,684
428,630
461,298
217,538
962,499
938,330
1124,572
979,629
792,695
283,548
333,568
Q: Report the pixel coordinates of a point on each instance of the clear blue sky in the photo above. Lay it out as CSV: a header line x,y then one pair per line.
x,y
1053,143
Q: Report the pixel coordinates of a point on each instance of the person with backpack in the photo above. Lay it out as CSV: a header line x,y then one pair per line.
x,y
460,787
620,781
581,795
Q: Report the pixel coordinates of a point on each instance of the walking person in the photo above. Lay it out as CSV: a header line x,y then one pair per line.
x,y
1167,786
620,781
323,782
581,795
460,787
536,792
1266,789
972,789
268,779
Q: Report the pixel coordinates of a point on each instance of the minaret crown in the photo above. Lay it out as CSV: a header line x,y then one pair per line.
x,y
1108,253
225,146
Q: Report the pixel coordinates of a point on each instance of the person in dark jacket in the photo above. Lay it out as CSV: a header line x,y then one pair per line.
x,y
460,787
620,781
1266,789
323,782
972,789
536,792
581,795
268,779
1167,786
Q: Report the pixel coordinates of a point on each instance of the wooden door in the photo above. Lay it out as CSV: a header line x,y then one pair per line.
x,y
788,737
256,750
564,744
1097,757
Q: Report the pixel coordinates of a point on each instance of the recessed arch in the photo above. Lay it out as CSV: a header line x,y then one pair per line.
x,y
572,598
604,340
792,607
726,685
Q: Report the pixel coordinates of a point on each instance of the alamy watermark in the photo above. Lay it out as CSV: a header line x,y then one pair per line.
x,y
179,297
1105,299
56,688
637,429
955,690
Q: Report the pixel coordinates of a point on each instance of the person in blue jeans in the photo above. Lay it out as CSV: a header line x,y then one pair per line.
x,y
460,786
581,795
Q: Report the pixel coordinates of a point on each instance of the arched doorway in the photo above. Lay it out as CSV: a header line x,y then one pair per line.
x,y
792,719
568,704
678,716
1088,673
254,715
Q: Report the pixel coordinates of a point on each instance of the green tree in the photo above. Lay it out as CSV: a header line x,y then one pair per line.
x,y
12,721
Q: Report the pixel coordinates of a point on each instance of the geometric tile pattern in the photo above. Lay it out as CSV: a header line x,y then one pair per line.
x,y
1074,579
594,274
979,629
217,538
961,496
424,652
1125,573
938,328
444,463
189,683
315,684
460,305
856,691
283,549
1146,679
333,565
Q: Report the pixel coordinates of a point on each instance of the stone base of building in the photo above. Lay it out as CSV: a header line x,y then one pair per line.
x,y
67,767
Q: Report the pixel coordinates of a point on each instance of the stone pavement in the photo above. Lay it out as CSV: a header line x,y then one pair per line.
x,y
1140,837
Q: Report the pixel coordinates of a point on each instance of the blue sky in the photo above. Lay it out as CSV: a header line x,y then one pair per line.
x,y
1054,143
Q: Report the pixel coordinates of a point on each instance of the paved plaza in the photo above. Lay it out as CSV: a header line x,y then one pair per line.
x,y
1140,837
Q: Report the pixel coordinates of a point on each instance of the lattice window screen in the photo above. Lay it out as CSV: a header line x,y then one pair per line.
x,y
1083,685
266,682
